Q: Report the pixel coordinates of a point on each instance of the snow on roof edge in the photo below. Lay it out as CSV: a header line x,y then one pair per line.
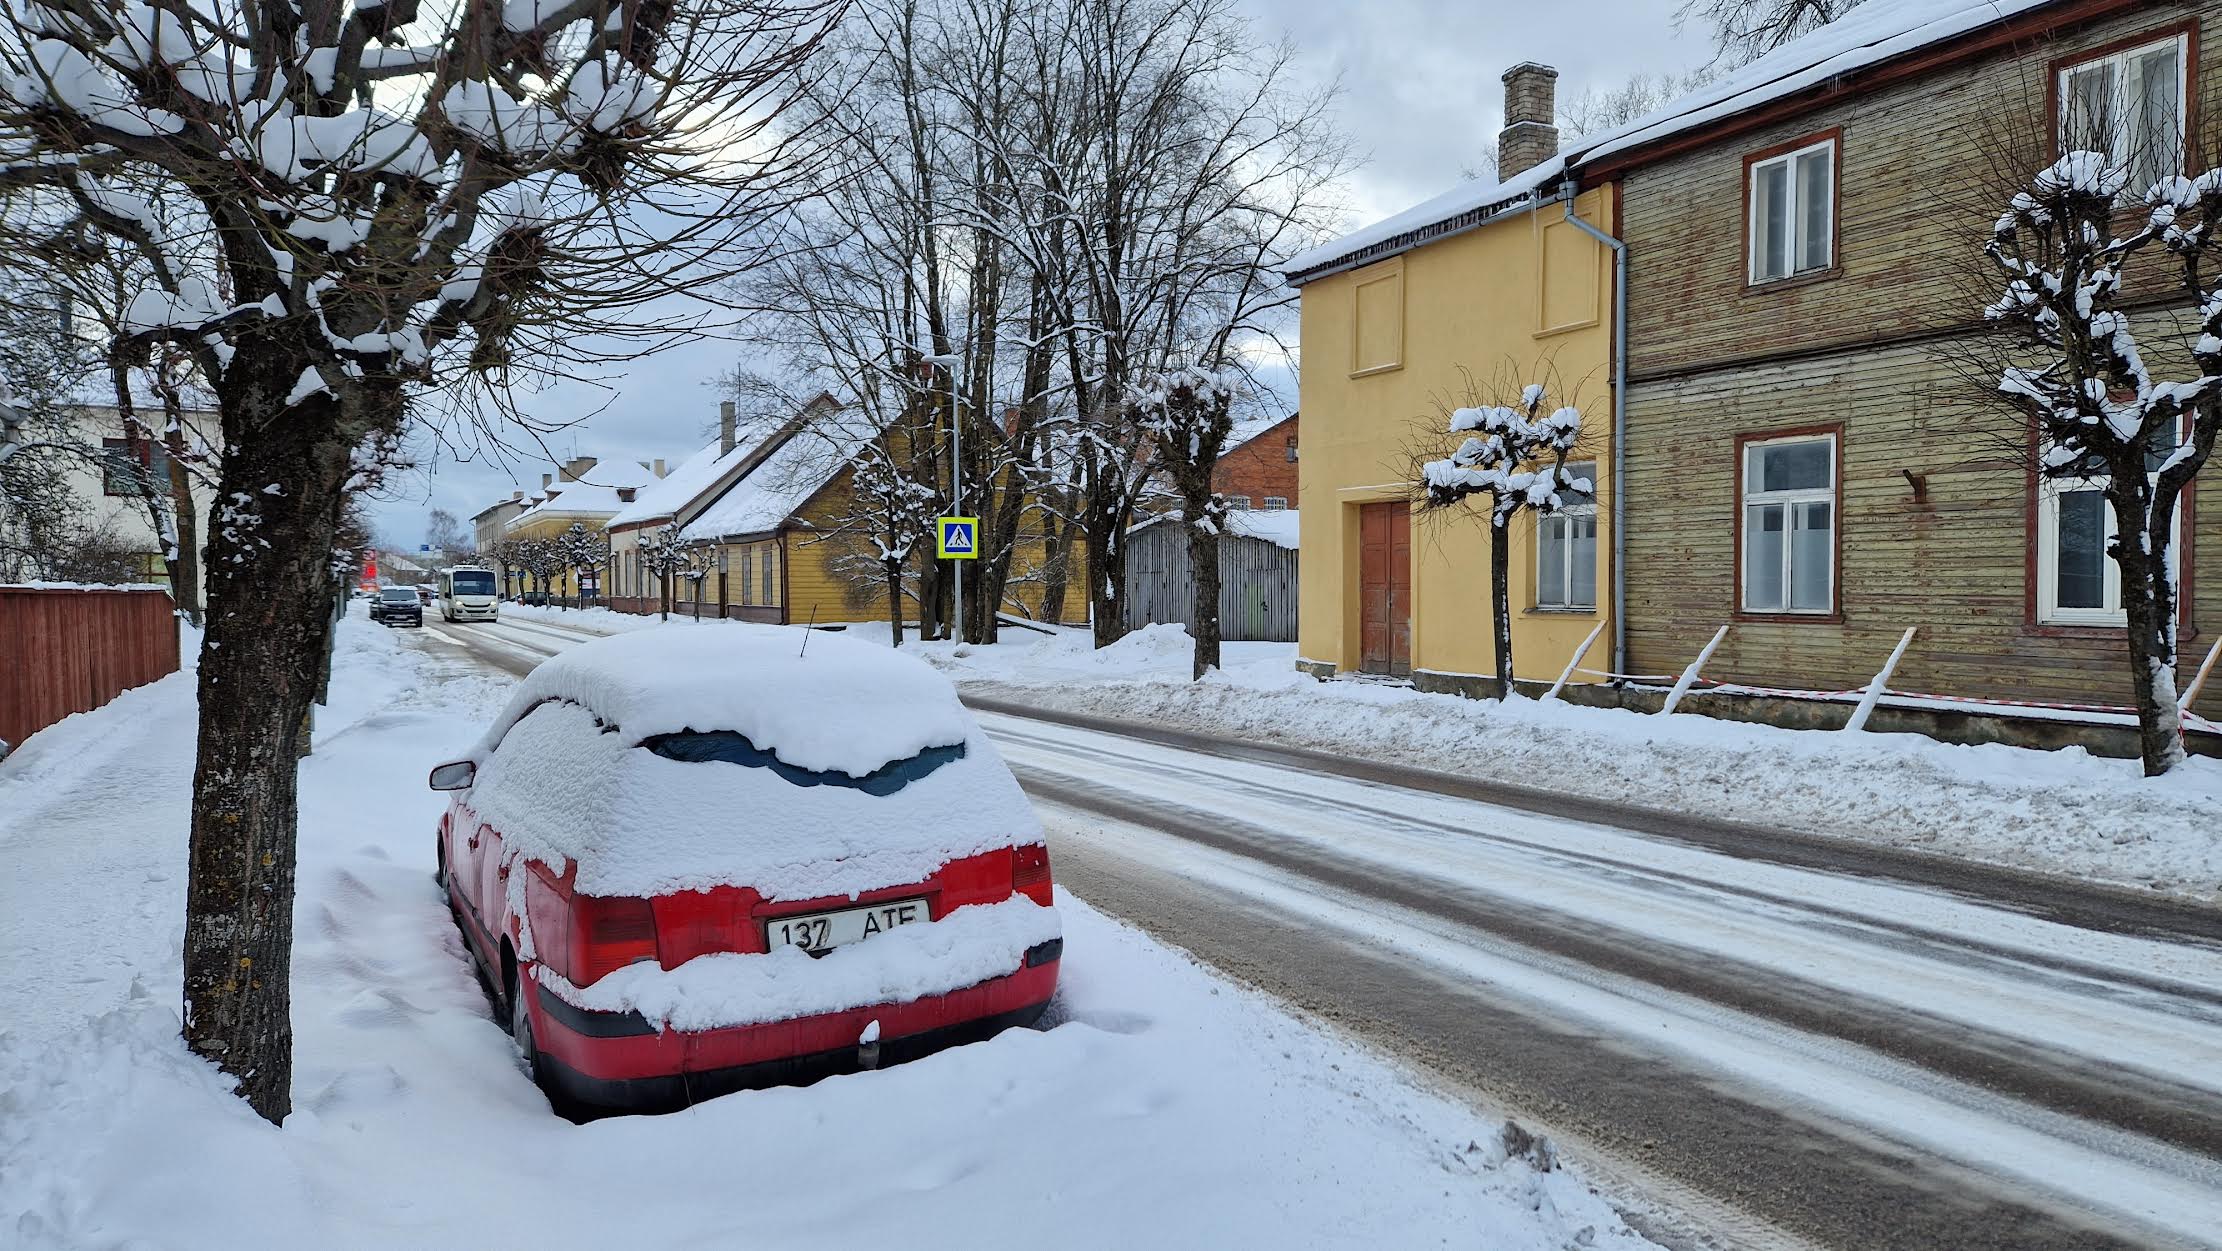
x,y
1875,32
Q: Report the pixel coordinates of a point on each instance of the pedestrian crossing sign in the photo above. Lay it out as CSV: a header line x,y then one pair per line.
x,y
958,537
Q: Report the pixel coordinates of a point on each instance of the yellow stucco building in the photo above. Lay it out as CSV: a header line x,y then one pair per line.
x,y
1488,287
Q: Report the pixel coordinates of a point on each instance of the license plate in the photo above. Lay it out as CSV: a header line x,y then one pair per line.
x,y
820,932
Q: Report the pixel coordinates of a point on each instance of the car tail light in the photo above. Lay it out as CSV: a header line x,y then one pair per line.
x,y
1030,872
607,934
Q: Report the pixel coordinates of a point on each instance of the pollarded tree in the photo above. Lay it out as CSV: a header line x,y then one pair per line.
x,y
2104,415
583,552
1514,461
357,203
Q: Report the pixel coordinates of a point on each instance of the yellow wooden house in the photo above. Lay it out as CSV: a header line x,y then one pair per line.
x,y
1494,284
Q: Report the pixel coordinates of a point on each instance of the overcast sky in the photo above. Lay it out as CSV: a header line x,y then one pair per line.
x,y
1420,96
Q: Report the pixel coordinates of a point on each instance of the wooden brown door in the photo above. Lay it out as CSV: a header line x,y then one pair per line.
x,y
1385,588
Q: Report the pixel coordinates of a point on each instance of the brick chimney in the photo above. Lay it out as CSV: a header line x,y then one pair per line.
x,y
659,466
546,480
1530,134
725,428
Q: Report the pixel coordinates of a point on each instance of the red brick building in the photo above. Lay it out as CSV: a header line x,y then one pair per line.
x,y
1260,472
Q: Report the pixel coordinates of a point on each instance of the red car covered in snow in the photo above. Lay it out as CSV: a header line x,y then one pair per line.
x,y
694,860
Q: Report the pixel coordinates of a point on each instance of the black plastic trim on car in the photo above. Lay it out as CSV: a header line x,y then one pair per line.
x,y
1042,953
590,1023
728,747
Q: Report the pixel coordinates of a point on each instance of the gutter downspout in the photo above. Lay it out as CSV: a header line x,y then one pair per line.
x,y
1619,428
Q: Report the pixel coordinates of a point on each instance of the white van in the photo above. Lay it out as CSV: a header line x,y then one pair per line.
x,y
467,594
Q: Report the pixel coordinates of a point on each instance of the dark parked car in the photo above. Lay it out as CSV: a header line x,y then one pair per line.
x,y
398,605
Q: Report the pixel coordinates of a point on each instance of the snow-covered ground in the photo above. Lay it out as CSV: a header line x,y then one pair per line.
x,y
1166,1107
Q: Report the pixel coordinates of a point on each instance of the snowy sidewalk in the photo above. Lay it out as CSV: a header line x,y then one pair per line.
x,y
1168,1108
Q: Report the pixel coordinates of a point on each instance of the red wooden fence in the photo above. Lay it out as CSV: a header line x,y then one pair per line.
x,y
65,651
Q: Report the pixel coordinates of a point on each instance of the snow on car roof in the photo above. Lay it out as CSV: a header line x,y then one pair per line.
x,y
563,789
839,704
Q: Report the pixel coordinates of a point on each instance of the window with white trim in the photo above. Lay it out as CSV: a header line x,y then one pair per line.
x,y
1276,503
2078,582
1566,548
1238,501
1789,521
1793,213
2129,105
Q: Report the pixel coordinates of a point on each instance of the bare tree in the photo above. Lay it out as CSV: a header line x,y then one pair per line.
x,y
1745,30
1050,200
2106,417
357,205
1514,460
443,533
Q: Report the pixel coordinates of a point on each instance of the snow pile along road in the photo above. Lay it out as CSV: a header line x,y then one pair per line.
x,y
1166,1108
2059,811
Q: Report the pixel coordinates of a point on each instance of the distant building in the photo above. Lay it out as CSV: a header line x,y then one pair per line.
x,y
1258,469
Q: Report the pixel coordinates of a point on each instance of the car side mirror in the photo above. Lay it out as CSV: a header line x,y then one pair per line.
x,y
455,775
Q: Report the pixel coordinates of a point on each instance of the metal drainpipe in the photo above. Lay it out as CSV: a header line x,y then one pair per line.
x,y
1619,430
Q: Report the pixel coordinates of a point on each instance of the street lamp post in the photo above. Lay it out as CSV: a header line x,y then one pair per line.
x,y
950,361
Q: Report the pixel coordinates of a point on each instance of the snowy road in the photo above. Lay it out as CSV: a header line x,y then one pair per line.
x,y
1829,1049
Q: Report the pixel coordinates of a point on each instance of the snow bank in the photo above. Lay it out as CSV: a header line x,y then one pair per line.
x,y
906,963
2060,811
835,704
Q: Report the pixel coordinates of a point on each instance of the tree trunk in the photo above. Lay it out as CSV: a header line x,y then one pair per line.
x,y
1500,603
1106,588
268,623
2149,598
1203,564
894,571
185,569
1056,570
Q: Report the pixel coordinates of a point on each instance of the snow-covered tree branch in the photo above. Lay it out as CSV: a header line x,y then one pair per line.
x,y
1513,461
2103,405
335,209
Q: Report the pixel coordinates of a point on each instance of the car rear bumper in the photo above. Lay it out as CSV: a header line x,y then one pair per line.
x,y
617,1060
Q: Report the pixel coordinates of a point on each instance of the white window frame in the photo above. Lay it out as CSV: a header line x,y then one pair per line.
x,y
1794,214
1276,503
1792,500
2111,612
1564,544
1239,501
2121,138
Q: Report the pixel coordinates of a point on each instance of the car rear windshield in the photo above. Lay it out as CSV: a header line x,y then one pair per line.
x,y
402,596
474,584
727,747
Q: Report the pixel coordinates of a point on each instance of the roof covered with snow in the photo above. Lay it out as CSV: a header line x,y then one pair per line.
x,y
594,496
695,475
1876,31
782,483
562,787
1251,427
1277,526
1476,197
